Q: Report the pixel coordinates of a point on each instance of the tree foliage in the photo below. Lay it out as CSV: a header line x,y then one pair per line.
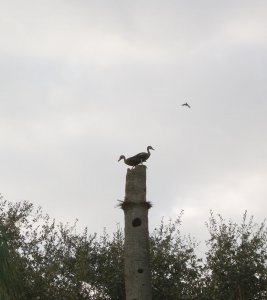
x,y
176,270
55,262
42,259
236,260
9,282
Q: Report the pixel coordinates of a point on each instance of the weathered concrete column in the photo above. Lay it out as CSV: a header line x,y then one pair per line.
x,y
136,259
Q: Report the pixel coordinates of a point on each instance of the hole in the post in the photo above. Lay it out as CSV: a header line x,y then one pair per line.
x,y
140,270
136,222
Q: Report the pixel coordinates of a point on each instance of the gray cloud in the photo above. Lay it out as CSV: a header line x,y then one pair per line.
x,y
84,82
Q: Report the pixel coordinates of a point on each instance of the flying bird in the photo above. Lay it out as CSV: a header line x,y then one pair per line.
x,y
186,104
136,159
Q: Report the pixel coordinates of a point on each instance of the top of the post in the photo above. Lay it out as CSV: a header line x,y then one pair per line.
x,y
139,170
135,188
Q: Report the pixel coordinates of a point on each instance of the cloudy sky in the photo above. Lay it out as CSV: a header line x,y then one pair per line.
x,y
83,82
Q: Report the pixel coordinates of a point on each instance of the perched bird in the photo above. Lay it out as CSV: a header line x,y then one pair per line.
x,y
136,159
130,161
186,104
144,155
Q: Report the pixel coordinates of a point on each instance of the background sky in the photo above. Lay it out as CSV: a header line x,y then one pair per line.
x,y
82,82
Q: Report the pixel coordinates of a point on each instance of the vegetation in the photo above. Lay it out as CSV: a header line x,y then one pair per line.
x,y
40,259
236,260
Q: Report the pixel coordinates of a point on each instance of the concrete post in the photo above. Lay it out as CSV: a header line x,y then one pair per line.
x,y
136,259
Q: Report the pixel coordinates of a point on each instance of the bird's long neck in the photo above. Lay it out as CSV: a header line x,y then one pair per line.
x,y
148,151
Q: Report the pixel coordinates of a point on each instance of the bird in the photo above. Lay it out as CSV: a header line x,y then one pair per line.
x,y
186,104
130,161
144,155
137,159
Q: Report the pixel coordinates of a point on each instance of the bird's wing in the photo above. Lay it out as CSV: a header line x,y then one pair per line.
x,y
133,161
140,154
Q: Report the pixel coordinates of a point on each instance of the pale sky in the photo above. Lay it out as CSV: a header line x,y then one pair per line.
x,y
83,82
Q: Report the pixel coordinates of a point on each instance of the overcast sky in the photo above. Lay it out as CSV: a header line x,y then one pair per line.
x,y
83,82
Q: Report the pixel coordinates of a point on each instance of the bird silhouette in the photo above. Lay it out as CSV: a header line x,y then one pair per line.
x,y
143,156
130,161
136,159
186,104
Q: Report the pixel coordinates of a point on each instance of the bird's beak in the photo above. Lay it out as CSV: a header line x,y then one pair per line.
x,y
152,148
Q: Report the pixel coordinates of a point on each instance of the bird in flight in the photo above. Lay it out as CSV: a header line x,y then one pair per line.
x,y
186,104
